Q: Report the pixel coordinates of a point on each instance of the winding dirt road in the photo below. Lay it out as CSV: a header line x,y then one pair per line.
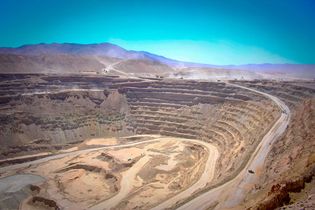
x,y
126,184
206,177
110,67
62,155
232,192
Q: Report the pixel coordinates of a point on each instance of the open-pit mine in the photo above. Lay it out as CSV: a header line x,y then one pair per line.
x,y
108,142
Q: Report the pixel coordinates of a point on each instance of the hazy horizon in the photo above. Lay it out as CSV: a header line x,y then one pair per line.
x,y
241,64
210,32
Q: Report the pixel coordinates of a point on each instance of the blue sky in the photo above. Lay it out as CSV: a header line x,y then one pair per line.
x,y
206,31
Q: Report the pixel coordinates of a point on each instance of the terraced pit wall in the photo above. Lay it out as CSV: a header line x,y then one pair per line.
x,y
40,112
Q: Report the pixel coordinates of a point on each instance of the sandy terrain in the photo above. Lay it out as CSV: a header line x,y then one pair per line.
x,y
141,174
101,141
153,193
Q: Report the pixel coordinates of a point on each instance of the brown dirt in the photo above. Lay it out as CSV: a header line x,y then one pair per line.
x,y
160,170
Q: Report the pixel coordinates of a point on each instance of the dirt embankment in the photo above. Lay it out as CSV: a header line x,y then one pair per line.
x,y
291,162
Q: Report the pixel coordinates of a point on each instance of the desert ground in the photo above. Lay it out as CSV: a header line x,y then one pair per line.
x,y
139,174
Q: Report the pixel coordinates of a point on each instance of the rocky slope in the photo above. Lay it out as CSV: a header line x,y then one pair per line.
x,y
44,63
290,165
144,67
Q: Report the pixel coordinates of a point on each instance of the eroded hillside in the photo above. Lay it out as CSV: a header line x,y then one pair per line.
x,y
290,167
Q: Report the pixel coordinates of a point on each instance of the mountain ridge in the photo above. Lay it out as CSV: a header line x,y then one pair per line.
x,y
113,50
110,51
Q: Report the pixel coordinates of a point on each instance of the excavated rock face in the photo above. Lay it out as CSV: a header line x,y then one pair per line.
x,y
279,194
115,103
40,115
46,202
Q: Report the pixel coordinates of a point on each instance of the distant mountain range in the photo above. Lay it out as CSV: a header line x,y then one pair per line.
x,y
103,49
80,58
